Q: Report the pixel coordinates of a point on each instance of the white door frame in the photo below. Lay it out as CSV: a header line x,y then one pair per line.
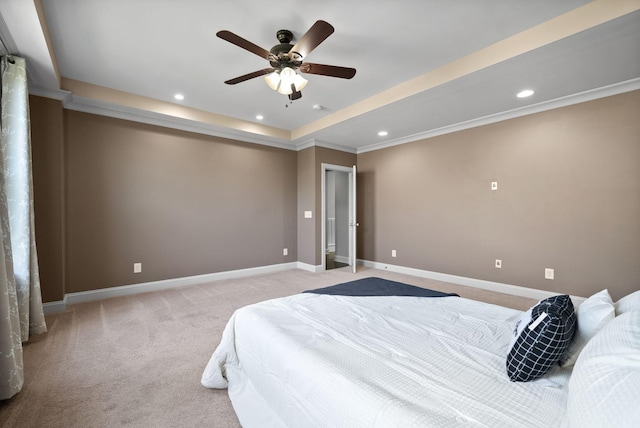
x,y
352,201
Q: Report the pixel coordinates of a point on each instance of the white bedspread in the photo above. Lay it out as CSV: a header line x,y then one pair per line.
x,y
334,361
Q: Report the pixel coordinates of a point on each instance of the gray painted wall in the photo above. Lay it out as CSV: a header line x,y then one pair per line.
x,y
182,204
109,193
568,198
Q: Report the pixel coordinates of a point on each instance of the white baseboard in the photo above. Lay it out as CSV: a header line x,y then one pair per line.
x,y
309,268
515,290
342,259
54,307
125,290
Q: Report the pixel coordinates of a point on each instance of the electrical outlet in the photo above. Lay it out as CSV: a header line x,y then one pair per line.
x,y
498,264
393,253
285,252
308,214
137,267
549,273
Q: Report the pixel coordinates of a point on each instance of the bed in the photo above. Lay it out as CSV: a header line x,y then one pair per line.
x,y
333,360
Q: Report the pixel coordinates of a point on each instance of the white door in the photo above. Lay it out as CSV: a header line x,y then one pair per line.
x,y
353,223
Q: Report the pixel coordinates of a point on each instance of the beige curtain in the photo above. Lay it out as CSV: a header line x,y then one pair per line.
x,y
21,311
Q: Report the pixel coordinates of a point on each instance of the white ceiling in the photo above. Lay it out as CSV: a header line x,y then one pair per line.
x,y
424,66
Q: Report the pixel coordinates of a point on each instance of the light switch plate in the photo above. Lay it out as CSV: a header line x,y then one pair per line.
x,y
308,214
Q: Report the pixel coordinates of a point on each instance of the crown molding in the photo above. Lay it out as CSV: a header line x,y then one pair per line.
x,y
319,143
581,97
118,111
56,94
89,105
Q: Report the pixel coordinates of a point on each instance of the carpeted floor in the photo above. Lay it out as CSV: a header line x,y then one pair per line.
x,y
136,361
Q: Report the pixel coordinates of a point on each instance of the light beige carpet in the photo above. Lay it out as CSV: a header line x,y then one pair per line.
x,y
136,361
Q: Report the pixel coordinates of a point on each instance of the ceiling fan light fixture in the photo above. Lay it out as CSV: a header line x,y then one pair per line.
x,y
287,78
281,81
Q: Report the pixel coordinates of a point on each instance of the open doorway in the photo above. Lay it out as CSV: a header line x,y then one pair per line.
x,y
338,217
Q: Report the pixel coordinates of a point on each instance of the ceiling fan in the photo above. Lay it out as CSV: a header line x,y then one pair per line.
x,y
285,59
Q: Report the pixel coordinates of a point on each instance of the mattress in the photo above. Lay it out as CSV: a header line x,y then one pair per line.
x,y
313,360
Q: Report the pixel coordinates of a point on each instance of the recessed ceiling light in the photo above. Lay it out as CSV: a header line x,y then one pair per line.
x,y
259,117
179,97
525,93
383,133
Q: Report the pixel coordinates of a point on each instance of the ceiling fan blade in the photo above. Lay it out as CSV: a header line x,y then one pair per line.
x,y
312,38
243,43
328,70
250,76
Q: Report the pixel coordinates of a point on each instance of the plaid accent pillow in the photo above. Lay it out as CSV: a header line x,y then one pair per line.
x,y
543,335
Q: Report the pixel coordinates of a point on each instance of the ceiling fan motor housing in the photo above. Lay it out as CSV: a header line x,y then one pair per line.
x,y
282,50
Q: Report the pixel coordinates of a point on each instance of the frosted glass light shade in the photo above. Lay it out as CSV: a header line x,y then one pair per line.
x,y
299,82
286,79
273,80
285,89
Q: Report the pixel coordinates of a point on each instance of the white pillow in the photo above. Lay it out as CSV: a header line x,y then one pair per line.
x,y
630,302
604,389
593,314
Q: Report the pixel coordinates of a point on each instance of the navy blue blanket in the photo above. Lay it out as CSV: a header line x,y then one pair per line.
x,y
378,287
